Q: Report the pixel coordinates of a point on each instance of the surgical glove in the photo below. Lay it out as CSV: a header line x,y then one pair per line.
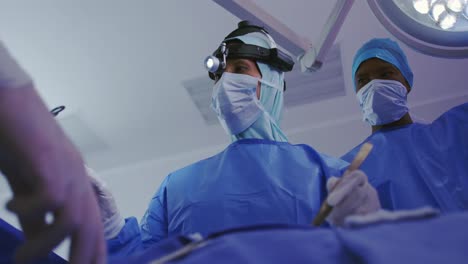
x,y
11,74
110,215
385,216
352,196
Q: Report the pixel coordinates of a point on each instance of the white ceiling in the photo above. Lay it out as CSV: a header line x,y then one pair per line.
x,y
119,68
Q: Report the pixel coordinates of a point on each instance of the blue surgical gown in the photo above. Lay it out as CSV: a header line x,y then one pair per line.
x,y
421,164
252,181
11,238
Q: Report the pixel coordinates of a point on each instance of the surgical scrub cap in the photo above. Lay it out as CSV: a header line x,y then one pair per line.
x,y
386,50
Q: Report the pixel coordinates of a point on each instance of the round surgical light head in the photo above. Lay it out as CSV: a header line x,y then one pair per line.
x,y
434,27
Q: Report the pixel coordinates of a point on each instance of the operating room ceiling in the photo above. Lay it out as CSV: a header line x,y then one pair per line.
x,y
120,67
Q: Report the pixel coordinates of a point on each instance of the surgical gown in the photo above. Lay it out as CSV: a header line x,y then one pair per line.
x,y
11,238
252,181
421,164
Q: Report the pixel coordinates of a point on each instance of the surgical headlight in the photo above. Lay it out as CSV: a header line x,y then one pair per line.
x,y
216,63
232,49
212,63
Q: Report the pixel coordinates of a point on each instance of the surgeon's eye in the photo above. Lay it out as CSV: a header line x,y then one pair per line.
x,y
385,75
362,81
241,69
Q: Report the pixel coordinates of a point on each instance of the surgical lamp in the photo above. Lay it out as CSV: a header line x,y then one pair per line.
x,y
434,27
214,64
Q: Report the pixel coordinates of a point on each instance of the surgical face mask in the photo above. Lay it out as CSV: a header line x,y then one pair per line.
x,y
382,101
235,102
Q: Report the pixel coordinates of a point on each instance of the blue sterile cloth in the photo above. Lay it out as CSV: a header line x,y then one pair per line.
x,y
437,240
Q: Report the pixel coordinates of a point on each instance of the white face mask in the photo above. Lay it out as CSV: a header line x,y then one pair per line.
x,y
382,101
235,101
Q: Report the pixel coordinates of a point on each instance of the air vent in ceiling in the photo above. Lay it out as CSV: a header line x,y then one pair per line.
x,y
81,134
200,90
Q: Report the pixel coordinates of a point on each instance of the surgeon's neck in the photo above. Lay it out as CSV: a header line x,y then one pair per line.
x,y
405,120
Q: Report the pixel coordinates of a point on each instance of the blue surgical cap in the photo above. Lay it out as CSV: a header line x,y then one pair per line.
x,y
386,50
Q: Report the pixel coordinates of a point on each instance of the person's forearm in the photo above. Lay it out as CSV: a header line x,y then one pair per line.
x,y
28,132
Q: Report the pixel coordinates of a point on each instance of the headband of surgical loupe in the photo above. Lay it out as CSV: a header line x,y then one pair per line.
x,y
216,63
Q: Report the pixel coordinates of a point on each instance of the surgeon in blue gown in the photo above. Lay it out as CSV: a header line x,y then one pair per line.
x,y
411,164
260,178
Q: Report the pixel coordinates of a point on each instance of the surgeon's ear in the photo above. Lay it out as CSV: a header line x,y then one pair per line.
x,y
408,87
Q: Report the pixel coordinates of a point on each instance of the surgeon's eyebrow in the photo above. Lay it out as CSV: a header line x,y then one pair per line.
x,y
361,75
382,68
387,68
241,66
239,62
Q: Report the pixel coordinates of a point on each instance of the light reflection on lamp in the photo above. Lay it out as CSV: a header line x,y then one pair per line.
x,y
422,6
465,11
456,5
447,21
437,10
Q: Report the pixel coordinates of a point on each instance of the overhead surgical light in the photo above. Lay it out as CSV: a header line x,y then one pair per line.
x,y
434,27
